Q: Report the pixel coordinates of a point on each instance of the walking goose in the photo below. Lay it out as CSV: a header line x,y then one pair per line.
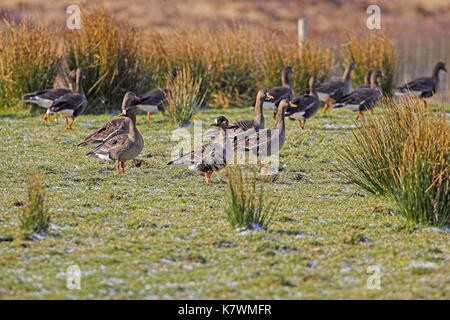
x,y
45,98
265,142
423,87
209,157
363,99
305,106
125,146
332,91
275,95
112,128
155,99
71,104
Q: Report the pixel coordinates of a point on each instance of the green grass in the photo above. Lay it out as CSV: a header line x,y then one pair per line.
x,y
159,232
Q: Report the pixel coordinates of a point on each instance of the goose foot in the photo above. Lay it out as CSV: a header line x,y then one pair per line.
x,y
425,104
46,117
208,177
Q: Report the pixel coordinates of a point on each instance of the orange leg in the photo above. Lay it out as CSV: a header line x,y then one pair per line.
x,y
360,115
208,177
425,103
148,115
327,106
123,166
70,124
371,112
56,116
117,168
67,124
46,117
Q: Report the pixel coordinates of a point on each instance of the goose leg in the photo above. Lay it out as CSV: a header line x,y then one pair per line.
x,y
56,116
123,166
425,103
274,114
327,106
303,124
208,177
117,167
67,124
148,115
70,124
262,167
46,117
300,123
361,115
371,112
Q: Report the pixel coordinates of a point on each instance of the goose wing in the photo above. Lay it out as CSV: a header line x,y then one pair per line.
x,y
70,101
51,94
109,130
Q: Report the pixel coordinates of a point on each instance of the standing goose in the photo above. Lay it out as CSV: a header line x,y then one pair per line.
x,y
275,95
305,106
332,91
423,87
266,142
112,128
45,98
366,81
71,104
363,99
125,146
209,157
155,99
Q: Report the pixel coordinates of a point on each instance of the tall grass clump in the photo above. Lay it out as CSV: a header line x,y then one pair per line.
x,y
110,54
34,217
248,208
28,61
403,154
376,51
185,97
311,58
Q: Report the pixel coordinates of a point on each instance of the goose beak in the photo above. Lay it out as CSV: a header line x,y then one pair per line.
x,y
269,96
445,70
123,114
213,124
292,105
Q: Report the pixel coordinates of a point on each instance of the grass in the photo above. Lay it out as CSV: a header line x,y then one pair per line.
x,y
34,218
162,233
249,208
404,154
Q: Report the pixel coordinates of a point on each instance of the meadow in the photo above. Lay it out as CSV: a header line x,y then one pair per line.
x,y
162,233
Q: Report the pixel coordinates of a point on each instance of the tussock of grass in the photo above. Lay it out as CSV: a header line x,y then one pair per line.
x,y
28,61
248,207
376,51
111,57
34,217
185,98
403,153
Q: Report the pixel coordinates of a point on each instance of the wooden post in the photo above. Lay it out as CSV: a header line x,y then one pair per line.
x,y
301,31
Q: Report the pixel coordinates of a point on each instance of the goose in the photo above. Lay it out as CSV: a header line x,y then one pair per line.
x,y
209,157
305,106
155,99
275,95
363,99
45,98
265,142
366,81
423,87
332,91
124,146
71,104
110,129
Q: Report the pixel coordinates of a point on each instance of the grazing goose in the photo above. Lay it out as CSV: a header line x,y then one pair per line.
x,y
423,87
363,99
265,142
155,99
112,128
332,91
125,146
71,104
305,106
209,157
366,81
45,98
275,95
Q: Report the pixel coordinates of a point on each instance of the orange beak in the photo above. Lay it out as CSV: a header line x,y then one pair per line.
x,y
213,124
122,114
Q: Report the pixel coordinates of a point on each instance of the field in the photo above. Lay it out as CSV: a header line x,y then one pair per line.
x,y
161,233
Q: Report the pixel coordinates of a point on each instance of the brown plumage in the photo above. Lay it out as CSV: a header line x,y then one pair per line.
x,y
305,106
275,95
125,146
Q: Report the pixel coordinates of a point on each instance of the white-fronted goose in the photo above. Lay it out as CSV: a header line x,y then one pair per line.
x,y
126,146
45,98
209,157
265,142
331,91
363,99
305,106
112,128
71,104
423,87
275,95
155,99
366,81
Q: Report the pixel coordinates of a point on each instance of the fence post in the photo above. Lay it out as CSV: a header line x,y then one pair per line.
x,y
301,31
